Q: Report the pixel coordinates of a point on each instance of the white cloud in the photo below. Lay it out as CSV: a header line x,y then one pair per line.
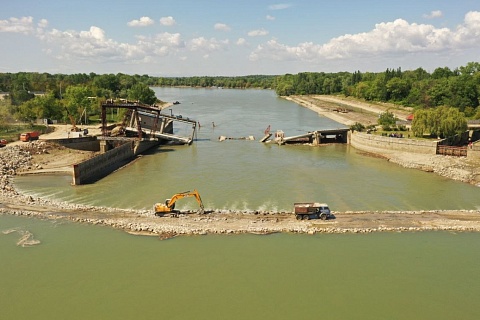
x,y
387,38
17,25
279,6
241,42
162,44
221,27
170,39
269,17
167,21
433,14
43,23
258,32
209,45
142,22
95,45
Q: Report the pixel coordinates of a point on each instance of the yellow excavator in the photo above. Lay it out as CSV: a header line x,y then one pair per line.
x,y
169,205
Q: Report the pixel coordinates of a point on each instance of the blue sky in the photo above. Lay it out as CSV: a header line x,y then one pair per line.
x,y
231,38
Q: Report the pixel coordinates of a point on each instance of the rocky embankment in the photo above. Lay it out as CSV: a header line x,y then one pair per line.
x,y
455,168
17,159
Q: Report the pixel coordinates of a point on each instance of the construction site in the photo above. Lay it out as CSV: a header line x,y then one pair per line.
x,y
143,127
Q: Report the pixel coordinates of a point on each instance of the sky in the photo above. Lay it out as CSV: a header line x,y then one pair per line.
x,y
236,37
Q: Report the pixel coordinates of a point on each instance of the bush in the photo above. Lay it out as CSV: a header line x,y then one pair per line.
x,y
386,127
357,127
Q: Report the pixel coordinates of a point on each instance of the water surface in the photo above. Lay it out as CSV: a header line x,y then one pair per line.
x,y
80,272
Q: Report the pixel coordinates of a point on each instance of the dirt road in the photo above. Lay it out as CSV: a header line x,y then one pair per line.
x,y
348,111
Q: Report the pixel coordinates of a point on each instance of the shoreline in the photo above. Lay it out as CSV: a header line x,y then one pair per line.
x,y
144,222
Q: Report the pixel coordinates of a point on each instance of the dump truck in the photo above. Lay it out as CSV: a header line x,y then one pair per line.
x,y
315,210
169,206
29,136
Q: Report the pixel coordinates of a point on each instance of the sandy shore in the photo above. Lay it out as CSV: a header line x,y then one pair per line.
x,y
348,111
40,156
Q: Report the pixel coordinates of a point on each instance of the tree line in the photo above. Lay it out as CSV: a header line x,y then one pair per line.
x,y
458,88
80,94
443,100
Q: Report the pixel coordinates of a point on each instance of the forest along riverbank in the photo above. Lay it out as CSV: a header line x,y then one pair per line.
x,y
17,158
456,168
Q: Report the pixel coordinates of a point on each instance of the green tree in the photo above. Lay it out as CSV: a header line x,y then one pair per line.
x,y
440,73
40,107
441,122
387,118
420,124
463,92
452,122
439,92
142,93
77,102
397,89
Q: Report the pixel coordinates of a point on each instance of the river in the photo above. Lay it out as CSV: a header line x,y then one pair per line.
x,y
249,175
81,271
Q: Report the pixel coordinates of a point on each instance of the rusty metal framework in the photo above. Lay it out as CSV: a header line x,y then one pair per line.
x,y
136,108
131,106
452,151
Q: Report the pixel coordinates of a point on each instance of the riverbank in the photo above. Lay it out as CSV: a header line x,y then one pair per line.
x,y
456,168
347,111
15,159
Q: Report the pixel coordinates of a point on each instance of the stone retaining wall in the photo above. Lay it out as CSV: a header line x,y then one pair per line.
x,y
378,144
103,164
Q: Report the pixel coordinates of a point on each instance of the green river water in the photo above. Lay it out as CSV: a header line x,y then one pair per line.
x,y
80,271
86,272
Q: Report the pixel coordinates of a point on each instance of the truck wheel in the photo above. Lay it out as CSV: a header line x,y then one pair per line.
x,y
306,217
299,217
323,217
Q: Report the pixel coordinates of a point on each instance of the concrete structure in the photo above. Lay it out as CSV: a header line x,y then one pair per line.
x,y
315,137
378,144
98,167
